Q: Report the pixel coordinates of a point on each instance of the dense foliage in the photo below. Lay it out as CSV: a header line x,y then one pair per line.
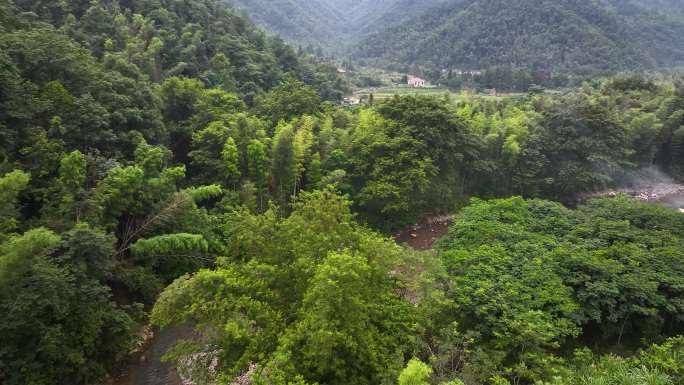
x,y
547,42
553,40
519,293
314,23
307,296
164,161
329,26
531,280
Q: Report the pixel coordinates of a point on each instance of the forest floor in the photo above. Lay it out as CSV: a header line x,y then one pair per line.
x,y
424,235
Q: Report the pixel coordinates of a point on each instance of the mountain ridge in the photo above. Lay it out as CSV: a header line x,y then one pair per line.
x,y
548,35
571,35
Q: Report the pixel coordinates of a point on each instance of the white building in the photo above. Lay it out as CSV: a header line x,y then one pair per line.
x,y
414,81
352,101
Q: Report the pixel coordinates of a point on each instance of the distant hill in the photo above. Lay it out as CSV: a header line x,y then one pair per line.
x,y
370,16
305,22
655,26
334,25
567,35
575,36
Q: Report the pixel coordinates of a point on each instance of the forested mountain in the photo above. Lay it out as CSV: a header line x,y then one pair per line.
x,y
333,26
655,26
548,35
370,16
308,23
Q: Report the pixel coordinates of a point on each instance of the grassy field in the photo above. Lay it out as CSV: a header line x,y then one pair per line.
x,y
381,93
387,92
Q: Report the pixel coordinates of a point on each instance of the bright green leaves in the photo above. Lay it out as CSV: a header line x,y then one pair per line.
x,y
64,211
207,146
231,162
220,151
21,252
215,103
291,156
303,142
513,300
169,245
152,159
351,327
160,228
419,373
530,277
390,168
309,296
72,175
231,306
171,255
590,369
257,167
201,194
284,161
415,373
11,185
667,357
138,189
120,190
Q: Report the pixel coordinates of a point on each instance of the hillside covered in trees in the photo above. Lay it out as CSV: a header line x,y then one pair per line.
x,y
165,163
315,23
547,38
329,26
570,36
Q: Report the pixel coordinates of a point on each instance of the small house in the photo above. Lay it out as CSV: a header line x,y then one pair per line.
x,y
351,101
415,81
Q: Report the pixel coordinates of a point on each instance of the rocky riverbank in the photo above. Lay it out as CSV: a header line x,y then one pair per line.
x,y
148,367
669,194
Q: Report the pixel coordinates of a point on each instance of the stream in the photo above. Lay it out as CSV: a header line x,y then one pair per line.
x,y
149,369
674,201
665,194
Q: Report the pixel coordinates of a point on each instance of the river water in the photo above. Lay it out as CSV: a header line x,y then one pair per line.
x,y
674,201
150,369
666,194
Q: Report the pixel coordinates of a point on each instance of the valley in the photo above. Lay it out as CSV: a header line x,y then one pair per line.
x,y
547,38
